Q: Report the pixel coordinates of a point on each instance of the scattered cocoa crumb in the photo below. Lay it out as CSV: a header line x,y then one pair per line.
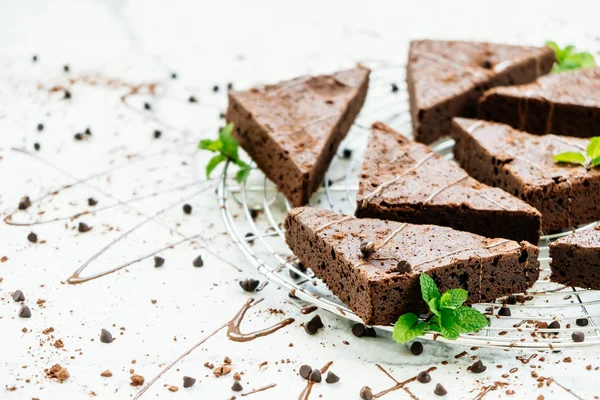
x,y
567,359
262,364
238,377
173,388
4,259
534,374
48,330
222,370
227,360
59,344
106,374
209,365
137,380
153,301
41,303
540,397
24,330
57,372
588,367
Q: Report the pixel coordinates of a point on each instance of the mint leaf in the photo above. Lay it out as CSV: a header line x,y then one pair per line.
x,y
572,157
595,162
213,162
210,145
453,298
429,289
467,319
568,59
242,175
434,306
593,149
408,328
227,146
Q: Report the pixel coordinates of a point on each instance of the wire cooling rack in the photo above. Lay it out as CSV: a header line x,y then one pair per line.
x,y
254,212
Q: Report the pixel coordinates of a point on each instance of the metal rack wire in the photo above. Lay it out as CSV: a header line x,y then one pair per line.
x,y
259,234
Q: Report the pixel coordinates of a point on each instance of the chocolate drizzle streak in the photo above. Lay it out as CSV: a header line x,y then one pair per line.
x,y
233,333
308,388
261,389
308,309
399,385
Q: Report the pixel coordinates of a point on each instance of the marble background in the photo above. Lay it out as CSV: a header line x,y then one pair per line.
x,y
141,182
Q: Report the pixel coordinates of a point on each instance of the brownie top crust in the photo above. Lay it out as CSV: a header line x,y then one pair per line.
x,y
585,238
397,170
527,156
420,247
444,69
299,114
579,87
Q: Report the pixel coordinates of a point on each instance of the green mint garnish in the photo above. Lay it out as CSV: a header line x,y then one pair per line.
x,y
227,147
568,59
589,160
447,315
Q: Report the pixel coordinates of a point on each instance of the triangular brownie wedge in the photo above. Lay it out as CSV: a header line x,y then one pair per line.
x,y
381,284
402,180
576,259
293,129
567,103
521,163
446,78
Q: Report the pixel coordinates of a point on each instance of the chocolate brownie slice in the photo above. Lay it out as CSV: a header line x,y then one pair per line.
x,y
446,78
567,103
520,163
292,129
576,259
385,284
402,180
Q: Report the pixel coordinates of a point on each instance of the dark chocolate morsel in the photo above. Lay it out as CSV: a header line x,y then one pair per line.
x,y
582,321
25,203
32,237
192,99
403,267
512,299
416,348
578,336
83,227
347,153
554,325
249,285
440,390
198,262
313,326
36,146
315,376
370,332
331,377
305,371
147,106
18,295
24,311
478,367
394,87
504,312
92,202
367,248
237,386
358,330
157,134
366,394
106,336
158,262
187,209
424,377
188,381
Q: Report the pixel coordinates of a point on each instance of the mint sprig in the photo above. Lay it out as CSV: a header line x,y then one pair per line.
x,y
589,160
568,59
227,147
447,315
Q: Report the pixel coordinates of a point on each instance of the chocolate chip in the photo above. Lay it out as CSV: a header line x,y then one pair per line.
x,y
34,58
578,336
315,376
157,134
327,183
582,322
313,326
254,214
18,295
105,336
293,274
83,227
88,131
147,106
158,262
24,311
504,312
40,127
347,153
370,332
332,378
554,325
198,262
25,203
237,386
367,248
215,88
440,390
187,209
478,367
424,377
250,237
305,371
67,95
512,299
416,348
78,136
229,86
66,68
249,285
394,88
92,202
174,76
300,266
366,394
358,330
487,64
403,267
36,146
188,381
192,99
32,237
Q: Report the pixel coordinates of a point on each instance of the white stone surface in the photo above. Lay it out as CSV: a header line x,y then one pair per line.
x,y
205,43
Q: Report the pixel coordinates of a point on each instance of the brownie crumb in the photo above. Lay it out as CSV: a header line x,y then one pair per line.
x,y
173,388
237,376
222,370
106,373
78,136
136,380
58,372
188,381
67,95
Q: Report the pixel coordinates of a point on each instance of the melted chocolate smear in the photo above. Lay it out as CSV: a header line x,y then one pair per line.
x,y
308,309
233,333
261,389
308,388
399,385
